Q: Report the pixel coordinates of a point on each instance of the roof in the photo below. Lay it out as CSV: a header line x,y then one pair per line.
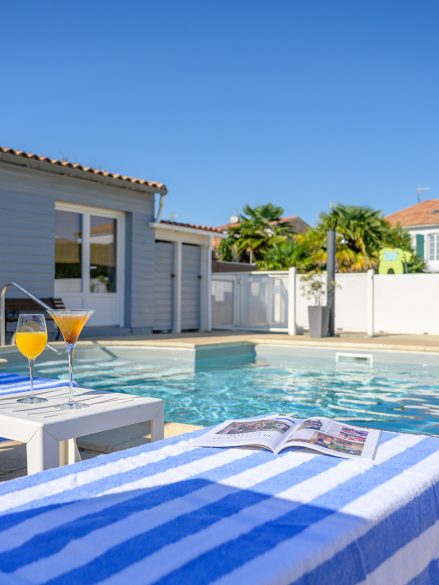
x,y
192,226
97,174
298,224
424,213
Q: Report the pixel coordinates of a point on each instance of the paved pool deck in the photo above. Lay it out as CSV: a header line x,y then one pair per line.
x,y
423,343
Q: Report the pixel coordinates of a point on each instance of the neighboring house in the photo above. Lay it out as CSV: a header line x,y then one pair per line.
x,y
422,222
298,224
92,238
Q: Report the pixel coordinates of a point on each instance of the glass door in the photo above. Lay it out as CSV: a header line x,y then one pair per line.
x,y
89,261
103,254
68,252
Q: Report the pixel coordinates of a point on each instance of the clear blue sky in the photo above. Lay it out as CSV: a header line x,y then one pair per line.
x,y
229,102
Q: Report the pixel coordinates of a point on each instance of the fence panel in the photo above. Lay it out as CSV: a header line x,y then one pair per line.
x,y
255,300
406,303
223,301
279,304
351,302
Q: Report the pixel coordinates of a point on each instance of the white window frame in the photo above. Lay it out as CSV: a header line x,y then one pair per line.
x,y
86,212
433,246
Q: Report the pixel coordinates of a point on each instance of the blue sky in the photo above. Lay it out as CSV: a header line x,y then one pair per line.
x,y
234,101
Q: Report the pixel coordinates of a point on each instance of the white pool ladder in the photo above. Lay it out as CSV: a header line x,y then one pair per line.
x,y
3,310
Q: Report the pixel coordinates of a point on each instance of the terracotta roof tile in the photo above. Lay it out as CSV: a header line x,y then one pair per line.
x,y
160,187
424,213
193,226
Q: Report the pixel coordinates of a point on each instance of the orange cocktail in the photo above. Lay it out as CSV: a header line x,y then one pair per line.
x,y
31,343
31,339
71,323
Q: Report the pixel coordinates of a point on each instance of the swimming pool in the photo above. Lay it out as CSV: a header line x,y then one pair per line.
x,y
399,392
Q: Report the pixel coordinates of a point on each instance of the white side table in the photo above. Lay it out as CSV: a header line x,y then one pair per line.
x,y
50,433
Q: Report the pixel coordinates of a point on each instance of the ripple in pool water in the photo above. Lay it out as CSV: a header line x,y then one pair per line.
x,y
394,396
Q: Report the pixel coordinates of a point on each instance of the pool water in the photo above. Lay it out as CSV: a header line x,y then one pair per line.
x,y
400,392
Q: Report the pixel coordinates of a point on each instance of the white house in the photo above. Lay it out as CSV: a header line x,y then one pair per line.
x,y
422,222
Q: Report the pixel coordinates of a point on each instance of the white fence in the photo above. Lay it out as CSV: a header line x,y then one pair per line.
x,y
274,301
250,300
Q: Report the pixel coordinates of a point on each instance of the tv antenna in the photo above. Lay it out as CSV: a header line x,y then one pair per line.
x,y
420,190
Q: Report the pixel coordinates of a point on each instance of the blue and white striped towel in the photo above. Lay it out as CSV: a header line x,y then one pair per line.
x,y
11,383
171,513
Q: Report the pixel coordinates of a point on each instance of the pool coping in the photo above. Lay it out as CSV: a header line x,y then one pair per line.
x,y
210,341
253,341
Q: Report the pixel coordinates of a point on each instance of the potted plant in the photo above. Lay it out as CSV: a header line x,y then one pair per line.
x,y
313,287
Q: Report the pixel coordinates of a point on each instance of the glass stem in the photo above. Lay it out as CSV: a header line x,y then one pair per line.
x,y
31,376
70,350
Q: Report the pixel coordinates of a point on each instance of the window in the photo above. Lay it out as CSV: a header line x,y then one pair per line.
x,y
433,247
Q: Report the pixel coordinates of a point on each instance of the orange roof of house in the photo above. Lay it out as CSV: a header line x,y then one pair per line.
x,y
159,187
424,213
193,226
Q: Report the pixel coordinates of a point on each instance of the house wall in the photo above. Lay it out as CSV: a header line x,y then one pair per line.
x,y
27,220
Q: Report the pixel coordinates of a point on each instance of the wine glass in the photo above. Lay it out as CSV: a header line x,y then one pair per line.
x,y
31,339
71,323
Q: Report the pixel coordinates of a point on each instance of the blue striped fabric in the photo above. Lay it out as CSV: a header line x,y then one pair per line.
x,y
172,513
11,383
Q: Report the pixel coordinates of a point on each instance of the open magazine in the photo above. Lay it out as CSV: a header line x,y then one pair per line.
x,y
278,432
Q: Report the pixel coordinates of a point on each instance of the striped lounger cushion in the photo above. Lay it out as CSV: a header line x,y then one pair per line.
x,y
11,383
171,513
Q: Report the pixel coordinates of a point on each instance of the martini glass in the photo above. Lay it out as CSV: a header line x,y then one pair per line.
x,y
70,324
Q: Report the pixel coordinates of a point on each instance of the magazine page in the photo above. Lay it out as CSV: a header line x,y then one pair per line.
x,y
268,431
335,438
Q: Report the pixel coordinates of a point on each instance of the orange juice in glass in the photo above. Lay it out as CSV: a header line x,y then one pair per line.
x,y
31,339
71,323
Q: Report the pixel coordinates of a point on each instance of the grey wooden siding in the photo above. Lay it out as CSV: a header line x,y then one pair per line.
x,y
26,242
190,287
164,286
27,207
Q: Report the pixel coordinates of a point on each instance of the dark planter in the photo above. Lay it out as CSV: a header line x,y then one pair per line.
x,y
318,321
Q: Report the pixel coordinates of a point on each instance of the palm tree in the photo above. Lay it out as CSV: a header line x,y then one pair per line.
x,y
258,229
361,233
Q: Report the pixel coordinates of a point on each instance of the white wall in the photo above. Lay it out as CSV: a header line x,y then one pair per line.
x,y
365,303
406,303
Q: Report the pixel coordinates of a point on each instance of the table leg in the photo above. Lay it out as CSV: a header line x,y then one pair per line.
x,y
42,452
73,452
69,452
157,428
